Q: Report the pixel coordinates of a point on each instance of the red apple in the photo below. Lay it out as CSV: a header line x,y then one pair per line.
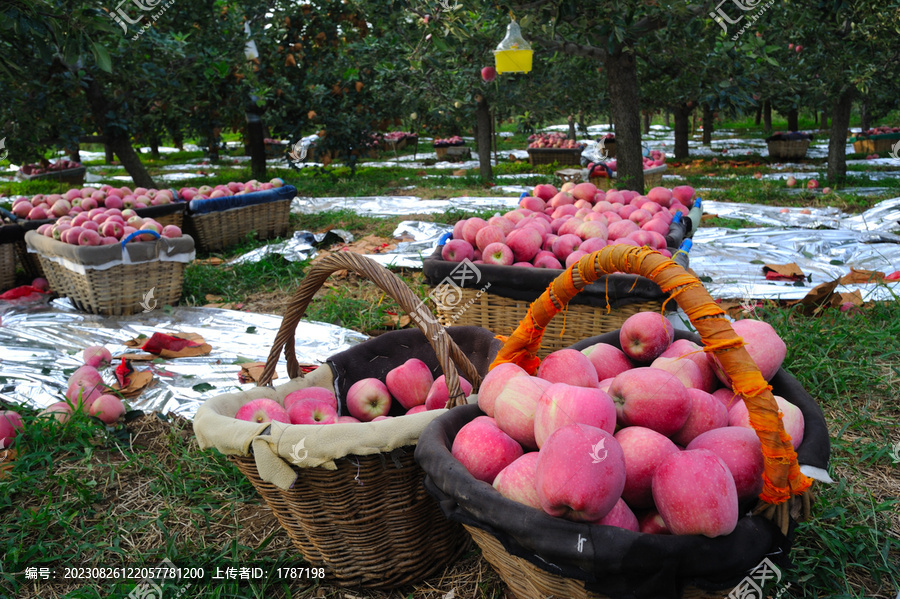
x,y
651,398
410,383
263,410
10,425
493,384
439,395
367,399
517,480
312,411
608,360
645,336
762,343
695,494
740,449
568,366
644,451
562,404
792,418
483,449
620,516
97,356
488,74
317,393
457,250
707,413
580,473
498,253
107,408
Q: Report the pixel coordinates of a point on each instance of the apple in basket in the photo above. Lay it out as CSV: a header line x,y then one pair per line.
x,y
312,411
645,336
694,492
410,383
741,451
368,399
685,370
707,413
608,360
687,349
652,398
317,393
493,384
651,523
457,250
644,451
762,343
517,480
568,366
564,404
439,395
516,407
580,473
483,449
262,410
792,417
622,516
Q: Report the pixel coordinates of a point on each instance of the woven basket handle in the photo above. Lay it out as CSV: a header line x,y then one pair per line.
x,y
782,477
450,356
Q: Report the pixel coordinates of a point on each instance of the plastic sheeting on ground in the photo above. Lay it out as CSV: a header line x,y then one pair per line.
x,y
883,217
401,205
42,345
732,260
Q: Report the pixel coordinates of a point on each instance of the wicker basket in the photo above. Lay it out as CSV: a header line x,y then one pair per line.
x,y
571,175
7,266
538,156
219,229
547,573
384,532
119,290
72,176
788,150
653,177
875,146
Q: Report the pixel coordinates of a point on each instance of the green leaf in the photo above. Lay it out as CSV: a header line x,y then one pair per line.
x,y
202,387
771,61
836,262
757,262
101,56
251,330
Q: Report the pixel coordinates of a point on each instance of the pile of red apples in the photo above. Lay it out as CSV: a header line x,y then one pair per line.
x,y
76,201
109,226
553,229
649,438
553,141
368,400
233,188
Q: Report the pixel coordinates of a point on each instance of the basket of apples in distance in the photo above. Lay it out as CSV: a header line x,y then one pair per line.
x,y
874,141
441,145
519,253
108,265
547,148
654,168
331,452
221,216
63,171
630,464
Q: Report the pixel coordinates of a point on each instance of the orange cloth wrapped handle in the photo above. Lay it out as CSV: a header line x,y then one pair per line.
x,y
782,477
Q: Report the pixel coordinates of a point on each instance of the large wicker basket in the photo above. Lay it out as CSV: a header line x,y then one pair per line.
x,y
7,260
266,216
875,145
369,523
554,568
72,176
137,279
788,150
538,156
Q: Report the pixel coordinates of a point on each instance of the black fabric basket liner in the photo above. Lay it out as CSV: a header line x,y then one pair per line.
x,y
527,284
11,233
616,562
377,356
285,192
162,210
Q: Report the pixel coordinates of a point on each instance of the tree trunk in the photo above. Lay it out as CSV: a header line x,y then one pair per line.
x,y
75,153
117,140
682,131
213,143
793,120
646,118
624,98
666,121
483,137
707,125
815,117
110,156
154,147
257,145
758,118
178,140
767,116
572,134
824,124
837,141
864,116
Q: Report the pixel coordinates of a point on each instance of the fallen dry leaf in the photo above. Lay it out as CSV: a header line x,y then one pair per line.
x,y
251,371
138,381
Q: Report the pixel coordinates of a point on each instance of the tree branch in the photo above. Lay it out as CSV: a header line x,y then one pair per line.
x,y
572,48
